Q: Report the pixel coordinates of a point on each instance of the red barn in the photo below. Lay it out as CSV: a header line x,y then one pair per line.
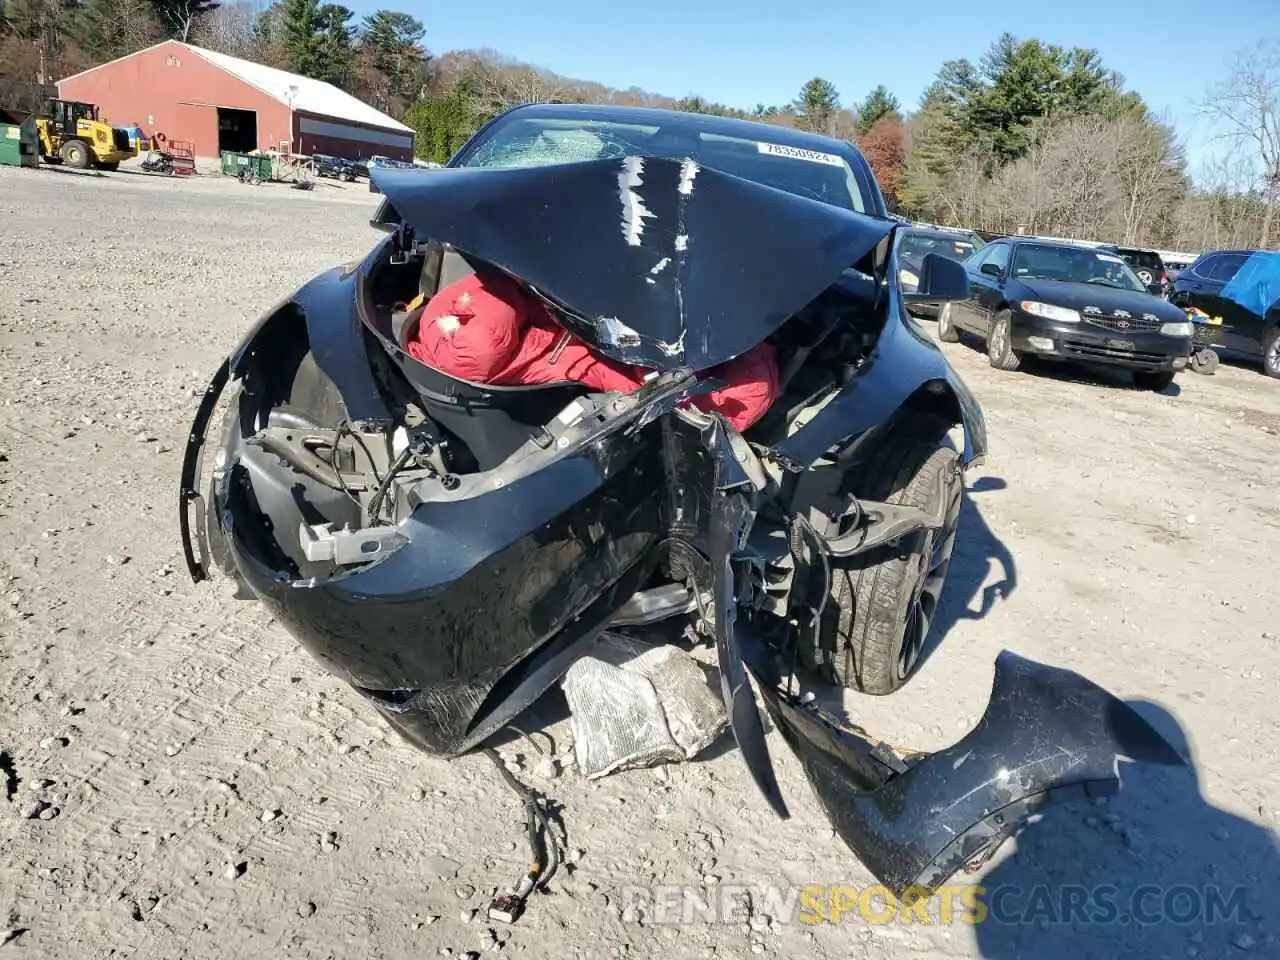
x,y
221,103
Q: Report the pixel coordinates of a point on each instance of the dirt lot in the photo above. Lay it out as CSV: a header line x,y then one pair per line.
x,y
180,780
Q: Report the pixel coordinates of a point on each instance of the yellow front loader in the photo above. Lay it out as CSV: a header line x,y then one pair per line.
x,y
73,134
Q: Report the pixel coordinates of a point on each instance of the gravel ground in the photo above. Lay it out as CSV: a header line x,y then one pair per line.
x,y
180,780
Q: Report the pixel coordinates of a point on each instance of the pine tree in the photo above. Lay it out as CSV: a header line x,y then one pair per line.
x,y
335,44
816,105
300,36
879,103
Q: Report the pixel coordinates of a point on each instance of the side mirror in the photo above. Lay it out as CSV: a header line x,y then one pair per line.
x,y
1155,289
990,269
941,279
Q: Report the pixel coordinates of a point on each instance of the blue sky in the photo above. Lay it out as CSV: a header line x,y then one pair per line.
x,y
748,51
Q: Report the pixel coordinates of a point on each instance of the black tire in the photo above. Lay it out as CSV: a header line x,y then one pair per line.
x,y
1204,361
1000,351
1271,352
1155,381
110,166
883,603
76,154
947,331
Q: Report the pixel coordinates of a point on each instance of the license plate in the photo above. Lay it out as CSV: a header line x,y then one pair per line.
x,y
1121,344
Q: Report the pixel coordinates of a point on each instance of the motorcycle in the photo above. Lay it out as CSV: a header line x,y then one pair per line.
x,y
450,548
158,162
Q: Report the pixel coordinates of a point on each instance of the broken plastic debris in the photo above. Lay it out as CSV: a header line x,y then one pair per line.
x,y
615,333
633,704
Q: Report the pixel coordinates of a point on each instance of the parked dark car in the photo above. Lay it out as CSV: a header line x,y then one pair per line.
x,y
377,160
451,548
1147,266
335,168
1250,312
1063,301
917,243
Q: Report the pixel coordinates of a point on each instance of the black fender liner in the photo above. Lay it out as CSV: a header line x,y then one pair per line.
x,y
323,314
188,495
905,375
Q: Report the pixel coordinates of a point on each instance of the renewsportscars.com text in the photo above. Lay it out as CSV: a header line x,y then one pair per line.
x,y
958,903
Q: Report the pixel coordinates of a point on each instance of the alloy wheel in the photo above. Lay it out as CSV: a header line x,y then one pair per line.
x,y
996,342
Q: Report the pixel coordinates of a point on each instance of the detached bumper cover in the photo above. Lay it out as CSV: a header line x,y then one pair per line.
x,y
1048,734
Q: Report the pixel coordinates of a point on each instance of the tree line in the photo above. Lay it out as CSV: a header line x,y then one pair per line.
x,y
1033,137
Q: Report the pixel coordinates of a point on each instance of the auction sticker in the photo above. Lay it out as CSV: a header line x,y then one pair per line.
x,y
799,153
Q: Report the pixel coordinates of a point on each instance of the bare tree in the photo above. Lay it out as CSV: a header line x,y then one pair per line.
x,y
1247,106
230,28
1148,165
500,82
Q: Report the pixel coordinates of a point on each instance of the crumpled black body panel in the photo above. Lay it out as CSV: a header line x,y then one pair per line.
x,y
1047,732
486,592
666,264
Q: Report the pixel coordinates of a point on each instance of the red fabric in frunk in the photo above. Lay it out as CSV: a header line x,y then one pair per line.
x,y
492,330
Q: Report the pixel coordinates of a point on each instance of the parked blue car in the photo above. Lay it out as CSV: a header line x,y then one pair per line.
x,y
1242,287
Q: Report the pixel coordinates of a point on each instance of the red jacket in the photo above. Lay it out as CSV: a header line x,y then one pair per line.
x,y
493,330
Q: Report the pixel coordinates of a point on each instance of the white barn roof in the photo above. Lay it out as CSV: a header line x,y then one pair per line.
x,y
311,96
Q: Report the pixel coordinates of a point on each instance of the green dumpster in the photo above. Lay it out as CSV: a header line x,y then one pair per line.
x,y
254,166
19,142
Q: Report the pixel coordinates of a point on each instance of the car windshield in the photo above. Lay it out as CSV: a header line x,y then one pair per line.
x,y
1035,261
915,246
544,141
1141,258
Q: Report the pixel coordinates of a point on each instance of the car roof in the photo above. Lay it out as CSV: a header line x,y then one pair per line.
x,y
1063,244
942,233
705,123
701,122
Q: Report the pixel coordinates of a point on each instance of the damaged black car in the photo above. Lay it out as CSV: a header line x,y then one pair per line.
x,y
451,548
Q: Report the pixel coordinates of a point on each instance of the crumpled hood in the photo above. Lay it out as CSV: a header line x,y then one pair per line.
x,y
664,263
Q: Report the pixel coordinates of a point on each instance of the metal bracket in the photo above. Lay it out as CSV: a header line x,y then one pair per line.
x,y
886,522
344,547
299,449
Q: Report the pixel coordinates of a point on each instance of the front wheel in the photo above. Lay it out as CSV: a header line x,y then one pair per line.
x,y
76,154
1156,381
947,331
1000,351
884,602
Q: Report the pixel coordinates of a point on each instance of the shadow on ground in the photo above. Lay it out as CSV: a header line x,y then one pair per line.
x,y
1154,872
966,594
